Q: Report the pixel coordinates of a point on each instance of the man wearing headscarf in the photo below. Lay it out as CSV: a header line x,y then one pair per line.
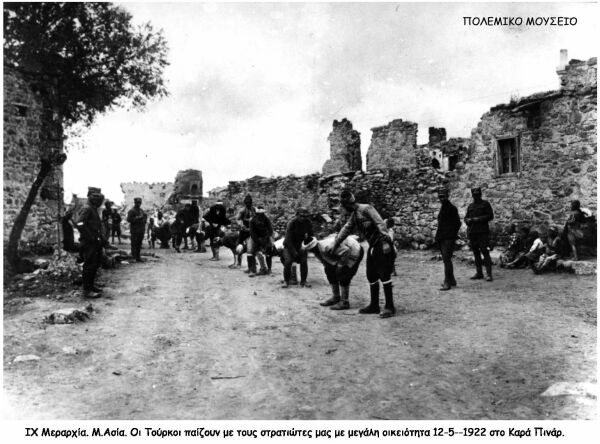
x,y
91,242
479,213
137,228
364,219
445,236
298,229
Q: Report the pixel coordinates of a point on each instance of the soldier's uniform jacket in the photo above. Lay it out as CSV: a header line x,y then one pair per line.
x,y
137,226
89,226
483,210
365,220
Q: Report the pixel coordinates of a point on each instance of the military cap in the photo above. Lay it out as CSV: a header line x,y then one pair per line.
x,y
347,197
137,199
475,189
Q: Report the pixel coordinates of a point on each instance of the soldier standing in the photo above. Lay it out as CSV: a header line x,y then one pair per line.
x,y
137,227
380,257
106,219
116,226
479,213
244,217
91,242
298,230
445,236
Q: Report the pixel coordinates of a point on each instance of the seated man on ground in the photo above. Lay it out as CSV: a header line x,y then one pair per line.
x,y
515,244
547,261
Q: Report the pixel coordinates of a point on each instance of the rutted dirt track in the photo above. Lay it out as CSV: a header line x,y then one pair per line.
x,y
186,338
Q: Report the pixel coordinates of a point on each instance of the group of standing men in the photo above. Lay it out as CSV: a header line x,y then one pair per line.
x,y
340,254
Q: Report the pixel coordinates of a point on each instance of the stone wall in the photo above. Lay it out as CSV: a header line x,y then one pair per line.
x,y
556,133
345,153
31,129
154,195
393,146
556,136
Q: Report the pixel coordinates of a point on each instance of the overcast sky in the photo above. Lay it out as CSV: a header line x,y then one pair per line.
x,y
254,88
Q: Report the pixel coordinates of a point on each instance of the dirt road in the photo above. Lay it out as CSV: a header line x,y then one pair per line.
x,y
186,338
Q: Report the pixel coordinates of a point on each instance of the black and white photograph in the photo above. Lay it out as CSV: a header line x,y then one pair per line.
x,y
298,211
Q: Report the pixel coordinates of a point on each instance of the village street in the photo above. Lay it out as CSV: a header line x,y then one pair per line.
x,y
186,338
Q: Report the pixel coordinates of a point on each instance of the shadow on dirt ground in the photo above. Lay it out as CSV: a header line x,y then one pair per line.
x,y
187,338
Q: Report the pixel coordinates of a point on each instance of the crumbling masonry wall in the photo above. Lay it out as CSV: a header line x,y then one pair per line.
x,y
344,144
393,146
31,129
557,140
154,195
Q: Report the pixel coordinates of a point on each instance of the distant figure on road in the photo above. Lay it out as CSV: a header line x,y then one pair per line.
x,y
243,218
137,227
106,219
116,226
479,213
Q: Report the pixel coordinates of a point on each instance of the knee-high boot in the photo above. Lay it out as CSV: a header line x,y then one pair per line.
x,y
373,307
335,298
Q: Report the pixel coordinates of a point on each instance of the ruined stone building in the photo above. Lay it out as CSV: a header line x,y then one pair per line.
x,y
531,157
187,187
31,129
154,195
345,153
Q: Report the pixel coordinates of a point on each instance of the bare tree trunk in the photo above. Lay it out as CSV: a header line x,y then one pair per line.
x,y
12,249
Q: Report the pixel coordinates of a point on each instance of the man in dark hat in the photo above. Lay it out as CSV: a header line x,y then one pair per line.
x,y
479,213
364,219
216,216
298,230
137,227
91,242
445,236
244,217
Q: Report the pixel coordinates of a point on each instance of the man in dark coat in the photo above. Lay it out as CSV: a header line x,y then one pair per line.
x,y
194,219
244,217
298,230
106,219
479,213
366,221
260,241
445,236
91,242
216,216
116,226
137,228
